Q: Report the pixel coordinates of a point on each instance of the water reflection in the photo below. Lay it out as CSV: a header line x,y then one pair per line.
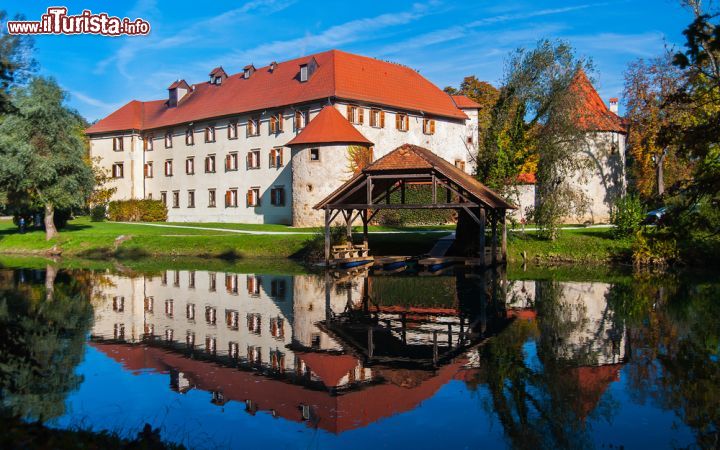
x,y
553,362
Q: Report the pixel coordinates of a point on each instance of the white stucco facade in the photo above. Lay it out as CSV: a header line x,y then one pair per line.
x,y
303,181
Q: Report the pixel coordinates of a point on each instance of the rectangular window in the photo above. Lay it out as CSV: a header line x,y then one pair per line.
x,y
168,139
191,199
191,279
190,311
190,136
314,154
169,308
168,168
231,161
118,170
355,114
190,165
210,315
118,143
176,199
212,198
254,323
118,303
163,198
277,328
428,126
149,169
210,133
377,118
149,304
301,119
212,282
253,159
278,288
232,319
231,198
277,196
402,122
232,130
276,157
253,197
210,164
460,164
276,123
148,143
253,126
231,283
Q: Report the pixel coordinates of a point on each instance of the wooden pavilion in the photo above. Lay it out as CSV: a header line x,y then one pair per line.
x,y
372,189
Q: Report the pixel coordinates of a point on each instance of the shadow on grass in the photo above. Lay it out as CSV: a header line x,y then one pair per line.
x,y
230,255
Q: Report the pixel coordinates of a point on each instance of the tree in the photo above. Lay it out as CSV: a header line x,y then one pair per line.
x,y
42,153
538,115
649,84
16,62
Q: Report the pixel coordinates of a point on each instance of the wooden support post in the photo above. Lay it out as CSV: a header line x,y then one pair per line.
x,y
503,246
371,344
364,217
348,224
481,240
327,236
434,189
449,335
328,288
369,190
435,348
403,332
494,237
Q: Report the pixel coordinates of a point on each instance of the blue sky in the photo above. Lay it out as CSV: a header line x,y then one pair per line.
x,y
444,39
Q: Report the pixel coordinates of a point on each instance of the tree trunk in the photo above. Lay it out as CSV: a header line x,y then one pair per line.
x,y
660,173
50,275
50,230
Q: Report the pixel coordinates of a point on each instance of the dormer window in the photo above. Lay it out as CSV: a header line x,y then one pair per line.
x,y
307,70
248,71
177,91
273,66
217,76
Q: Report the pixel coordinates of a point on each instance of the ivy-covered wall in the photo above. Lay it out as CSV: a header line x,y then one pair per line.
x,y
419,194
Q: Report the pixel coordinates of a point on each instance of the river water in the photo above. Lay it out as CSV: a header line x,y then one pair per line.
x,y
288,359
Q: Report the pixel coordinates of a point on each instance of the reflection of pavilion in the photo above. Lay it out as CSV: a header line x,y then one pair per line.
x,y
338,354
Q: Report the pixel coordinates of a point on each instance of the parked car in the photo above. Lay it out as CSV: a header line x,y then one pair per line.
x,y
655,216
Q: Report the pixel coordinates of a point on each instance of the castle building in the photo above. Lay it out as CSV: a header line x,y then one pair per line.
x,y
266,144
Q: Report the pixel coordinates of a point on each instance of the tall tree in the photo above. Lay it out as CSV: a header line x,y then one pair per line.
x,y
649,85
16,62
538,114
42,154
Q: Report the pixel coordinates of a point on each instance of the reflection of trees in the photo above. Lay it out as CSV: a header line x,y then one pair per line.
x,y
676,341
42,334
543,402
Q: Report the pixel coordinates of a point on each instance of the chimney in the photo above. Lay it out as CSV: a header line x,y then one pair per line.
x,y
614,105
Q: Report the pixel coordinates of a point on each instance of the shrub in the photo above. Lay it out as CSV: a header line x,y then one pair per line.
x,y
137,211
97,213
626,215
654,248
314,249
418,194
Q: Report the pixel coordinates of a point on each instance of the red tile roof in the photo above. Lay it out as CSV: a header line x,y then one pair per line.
x,y
339,75
179,83
329,126
464,102
593,114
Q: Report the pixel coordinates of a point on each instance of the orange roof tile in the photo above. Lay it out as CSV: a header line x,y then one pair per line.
x,y
329,126
464,102
339,75
593,114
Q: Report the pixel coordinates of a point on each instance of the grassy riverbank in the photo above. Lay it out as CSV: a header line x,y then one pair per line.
x,y
105,240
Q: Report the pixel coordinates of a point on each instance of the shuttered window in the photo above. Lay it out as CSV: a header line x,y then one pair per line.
x,y
277,196
253,197
428,126
189,137
402,122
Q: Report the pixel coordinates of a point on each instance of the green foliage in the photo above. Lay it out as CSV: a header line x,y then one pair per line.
x,y
137,211
419,194
16,62
653,247
97,213
626,215
314,249
42,151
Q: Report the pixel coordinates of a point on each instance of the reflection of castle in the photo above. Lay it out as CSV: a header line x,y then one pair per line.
x,y
338,355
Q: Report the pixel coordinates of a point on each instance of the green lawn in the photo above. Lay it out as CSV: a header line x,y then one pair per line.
x,y
591,245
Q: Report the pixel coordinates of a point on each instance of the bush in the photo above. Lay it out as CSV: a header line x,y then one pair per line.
x,y
655,248
97,213
137,211
314,249
626,215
